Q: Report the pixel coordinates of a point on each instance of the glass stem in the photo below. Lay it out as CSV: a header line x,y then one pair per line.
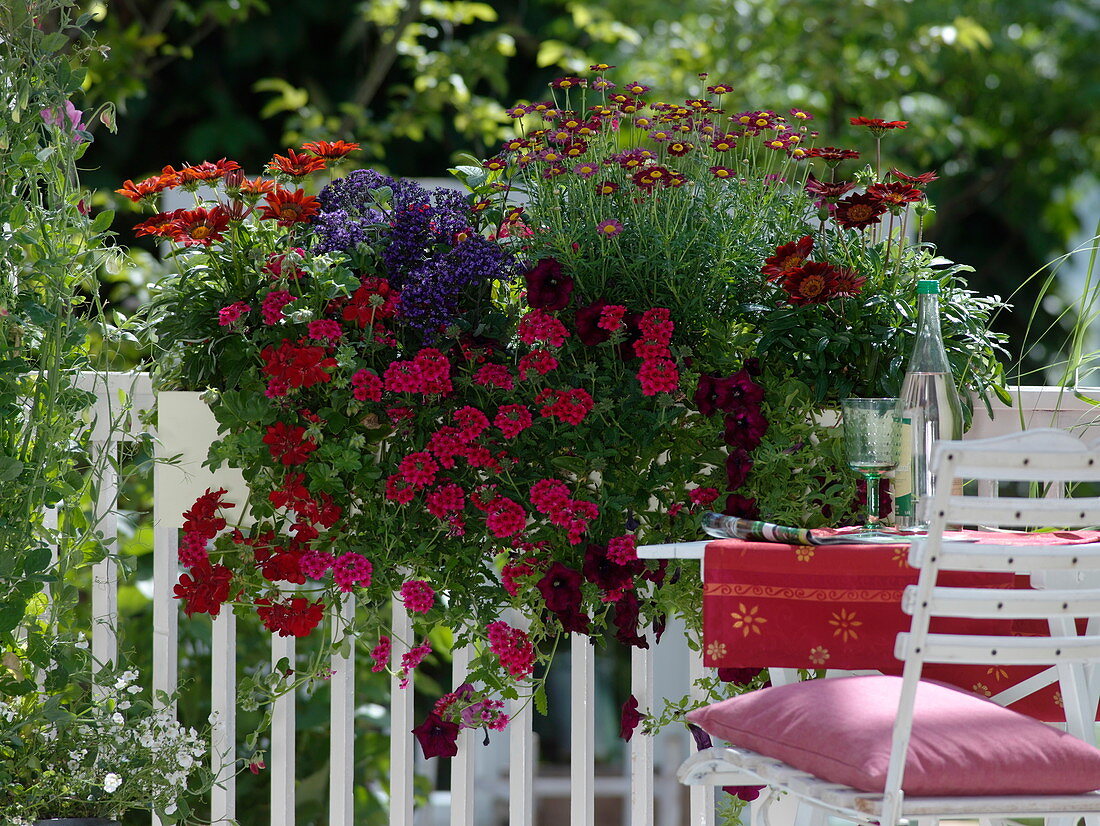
x,y
872,500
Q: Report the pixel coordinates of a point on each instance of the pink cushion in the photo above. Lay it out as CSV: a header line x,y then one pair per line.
x,y
840,729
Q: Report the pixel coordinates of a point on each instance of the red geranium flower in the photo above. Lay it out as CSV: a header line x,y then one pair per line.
x,y
859,211
288,443
204,588
812,283
295,617
787,257
331,151
295,164
199,226
288,207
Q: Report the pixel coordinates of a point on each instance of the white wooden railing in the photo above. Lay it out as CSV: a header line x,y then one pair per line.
x,y
489,785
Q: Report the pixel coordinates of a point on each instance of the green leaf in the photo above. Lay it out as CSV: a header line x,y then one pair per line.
x,y
38,559
10,468
540,700
102,221
11,612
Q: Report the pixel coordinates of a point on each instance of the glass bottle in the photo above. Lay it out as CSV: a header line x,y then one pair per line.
x,y
930,410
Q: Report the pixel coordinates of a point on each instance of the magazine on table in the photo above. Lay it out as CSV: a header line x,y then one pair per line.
x,y
721,526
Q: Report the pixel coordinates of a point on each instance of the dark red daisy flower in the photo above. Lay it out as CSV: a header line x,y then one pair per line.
x,y
678,148
878,126
847,282
287,207
295,164
923,179
812,283
333,150
831,154
828,191
895,196
787,257
859,211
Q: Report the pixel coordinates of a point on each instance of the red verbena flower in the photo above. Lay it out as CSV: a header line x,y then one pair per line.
x,y
494,375
658,375
418,596
539,360
537,326
513,648
366,386
512,419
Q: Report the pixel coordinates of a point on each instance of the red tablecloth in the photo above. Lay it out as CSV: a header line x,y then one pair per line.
x,y
838,606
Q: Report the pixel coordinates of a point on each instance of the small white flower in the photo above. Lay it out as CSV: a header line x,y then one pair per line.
x,y
118,718
111,783
134,689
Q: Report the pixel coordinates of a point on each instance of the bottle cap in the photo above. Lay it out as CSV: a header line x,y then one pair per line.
x,y
929,287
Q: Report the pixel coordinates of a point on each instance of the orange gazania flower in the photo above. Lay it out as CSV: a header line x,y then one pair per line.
x,y
205,171
142,189
295,164
288,207
256,187
199,226
878,126
332,151
160,224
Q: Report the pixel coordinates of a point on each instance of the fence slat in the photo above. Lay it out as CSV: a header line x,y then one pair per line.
x,y
401,722
700,798
641,745
165,609
223,705
283,720
462,764
582,764
105,572
341,800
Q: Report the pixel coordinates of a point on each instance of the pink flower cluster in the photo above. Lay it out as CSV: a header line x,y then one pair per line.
x,y
272,306
366,386
429,373
418,596
623,549
352,570
512,419
539,326
228,315
551,498
569,406
658,373
512,647
411,659
381,654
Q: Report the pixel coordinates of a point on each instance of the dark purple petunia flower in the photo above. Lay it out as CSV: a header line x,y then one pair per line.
x,y
625,618
702,739
740,676
437,737
560,586
586,319
746,793
745,427
728,393
600,570
738,465
630,718
548,288
738,505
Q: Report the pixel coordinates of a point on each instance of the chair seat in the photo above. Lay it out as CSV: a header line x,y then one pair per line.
x,y
730,765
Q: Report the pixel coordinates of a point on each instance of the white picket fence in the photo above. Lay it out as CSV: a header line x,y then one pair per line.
x,y
500,783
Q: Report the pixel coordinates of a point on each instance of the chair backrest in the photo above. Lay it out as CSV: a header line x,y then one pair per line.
x,y
1069,572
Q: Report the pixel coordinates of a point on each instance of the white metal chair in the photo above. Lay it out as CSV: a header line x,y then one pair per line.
x,y
1068,572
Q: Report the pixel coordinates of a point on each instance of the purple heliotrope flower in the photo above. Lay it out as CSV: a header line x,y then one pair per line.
x,y
609,228
548,288
437,737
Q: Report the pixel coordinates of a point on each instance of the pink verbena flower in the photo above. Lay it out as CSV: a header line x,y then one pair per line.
x,y
381,654
611,317
418,469
540,326
513,648
325,329
541,361
623,549
505,517
418,596
494,375
512,419
315,564
272,306
352,570
658,376
366,386
228,315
